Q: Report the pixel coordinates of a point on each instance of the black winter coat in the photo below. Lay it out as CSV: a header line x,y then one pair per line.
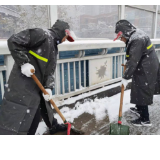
x,y
22,97
157,88
142,63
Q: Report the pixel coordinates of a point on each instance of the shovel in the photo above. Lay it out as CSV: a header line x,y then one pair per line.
x,y
119,129
70,129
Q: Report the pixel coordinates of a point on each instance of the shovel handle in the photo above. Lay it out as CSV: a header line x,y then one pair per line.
x,y
122,94
45,92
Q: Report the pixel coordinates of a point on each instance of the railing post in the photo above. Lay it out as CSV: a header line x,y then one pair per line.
x,y
69,86
79,74
74,75
84,73
115,67
2,83
63,84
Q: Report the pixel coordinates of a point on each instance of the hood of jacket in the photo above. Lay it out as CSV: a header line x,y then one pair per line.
x,y
59,29
125,27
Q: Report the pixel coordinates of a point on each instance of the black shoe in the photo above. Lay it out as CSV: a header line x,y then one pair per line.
x,y
146,123
134,110
137,122
58,128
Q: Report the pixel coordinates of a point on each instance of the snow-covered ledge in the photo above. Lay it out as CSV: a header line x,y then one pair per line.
x,y
67,46
80,45
3,47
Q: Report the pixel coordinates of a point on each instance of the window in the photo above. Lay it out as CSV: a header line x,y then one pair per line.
x,y
141,19
14,19
147,7
90,21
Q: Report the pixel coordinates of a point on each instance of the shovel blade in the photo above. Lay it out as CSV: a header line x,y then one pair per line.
x,y
118,129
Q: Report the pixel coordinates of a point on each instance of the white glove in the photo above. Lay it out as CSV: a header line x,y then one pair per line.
x,y
48,97
26,69
124,82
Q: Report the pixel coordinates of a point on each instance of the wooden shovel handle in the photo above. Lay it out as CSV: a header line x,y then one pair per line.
x,y
45,92
122,94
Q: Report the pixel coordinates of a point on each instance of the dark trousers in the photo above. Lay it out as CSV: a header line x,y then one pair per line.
x,y
143,112
41,113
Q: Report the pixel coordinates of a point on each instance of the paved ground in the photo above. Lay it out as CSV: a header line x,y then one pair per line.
x,y
90,126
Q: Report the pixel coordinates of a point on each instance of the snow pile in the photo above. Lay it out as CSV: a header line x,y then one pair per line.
x,y
84,95
97,107
100,108
41,128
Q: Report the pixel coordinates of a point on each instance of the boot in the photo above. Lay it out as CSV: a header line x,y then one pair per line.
x,y
57,128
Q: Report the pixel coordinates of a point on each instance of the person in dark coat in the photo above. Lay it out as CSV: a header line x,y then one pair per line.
x,y
23,102
142,66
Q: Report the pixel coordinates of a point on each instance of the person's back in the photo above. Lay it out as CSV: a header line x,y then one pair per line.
x,y
23,102
146,70
142,66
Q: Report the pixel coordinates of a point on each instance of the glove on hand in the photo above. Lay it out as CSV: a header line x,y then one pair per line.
x,y
124,82
48,97
26,69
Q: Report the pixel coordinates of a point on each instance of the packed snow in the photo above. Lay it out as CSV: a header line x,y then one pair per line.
x,y
109,106
97,107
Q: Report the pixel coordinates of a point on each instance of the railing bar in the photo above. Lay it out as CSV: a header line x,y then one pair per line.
x,y
56,81
124,57
117,66
2,84
63,78
84,73
79,74
114,66
89,58
120,66
69,86
74,76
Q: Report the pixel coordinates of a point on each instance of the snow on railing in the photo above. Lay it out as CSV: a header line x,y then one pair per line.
x,y
64,88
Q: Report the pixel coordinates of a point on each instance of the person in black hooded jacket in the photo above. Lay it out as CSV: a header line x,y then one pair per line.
x,y
23,102
142,66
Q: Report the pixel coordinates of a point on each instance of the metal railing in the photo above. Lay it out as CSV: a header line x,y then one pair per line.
x,y
116,58
79,67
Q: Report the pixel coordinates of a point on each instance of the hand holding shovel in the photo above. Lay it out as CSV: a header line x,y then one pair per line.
x,y
119,129
69,127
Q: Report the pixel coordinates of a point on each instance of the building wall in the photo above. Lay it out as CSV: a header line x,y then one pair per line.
x,y
14,18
